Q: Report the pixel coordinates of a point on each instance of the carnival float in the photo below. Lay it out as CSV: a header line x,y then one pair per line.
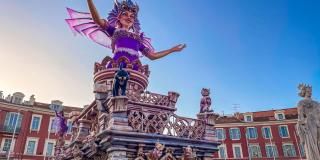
x,y
126,122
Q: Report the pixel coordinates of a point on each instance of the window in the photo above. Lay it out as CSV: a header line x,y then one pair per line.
x,y
17,97
17,100
252,133
12,122
36,122
271,151
52,125
254,151
248,118
56,105
222,151
234,133
279,115
31,146
283,131
288,150
49,147
266,132
69,126
220,133
237,151
5,145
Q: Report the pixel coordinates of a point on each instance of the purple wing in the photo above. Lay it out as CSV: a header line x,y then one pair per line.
x,y
82,23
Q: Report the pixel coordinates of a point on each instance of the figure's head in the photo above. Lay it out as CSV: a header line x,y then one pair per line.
x,y
122,75
205,92
125,15
126,19
159,146
305,91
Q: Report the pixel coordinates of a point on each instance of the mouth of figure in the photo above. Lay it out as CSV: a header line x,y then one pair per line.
x,y
129,21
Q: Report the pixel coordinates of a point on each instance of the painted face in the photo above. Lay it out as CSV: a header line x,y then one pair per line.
x,y
127,19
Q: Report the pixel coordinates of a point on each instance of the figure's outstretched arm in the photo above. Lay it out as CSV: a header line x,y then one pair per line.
x,y
95,15
157,55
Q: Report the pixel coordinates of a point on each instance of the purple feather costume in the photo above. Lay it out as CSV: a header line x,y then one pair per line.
x,y
131,45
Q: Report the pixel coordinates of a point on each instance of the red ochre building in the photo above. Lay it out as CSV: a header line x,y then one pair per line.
x,y
28,126
263,135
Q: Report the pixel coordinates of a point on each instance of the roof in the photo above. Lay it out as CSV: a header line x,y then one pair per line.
x,y
259,116
41,105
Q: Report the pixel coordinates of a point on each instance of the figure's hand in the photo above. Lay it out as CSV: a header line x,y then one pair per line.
x,y
178,48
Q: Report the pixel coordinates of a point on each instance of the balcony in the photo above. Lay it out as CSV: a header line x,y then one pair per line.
x,y
9,129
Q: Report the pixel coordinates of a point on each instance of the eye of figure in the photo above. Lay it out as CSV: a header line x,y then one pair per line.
x,y
124,14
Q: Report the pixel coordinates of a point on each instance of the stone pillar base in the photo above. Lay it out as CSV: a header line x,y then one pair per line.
x,y
84,128
118,114
210,118
117,153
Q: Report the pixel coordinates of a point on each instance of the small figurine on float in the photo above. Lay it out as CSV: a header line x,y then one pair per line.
x,y
205,103
156,153
120,81
188,154
119,32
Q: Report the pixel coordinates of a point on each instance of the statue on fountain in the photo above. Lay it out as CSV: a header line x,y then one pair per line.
x,y
308,126
120,32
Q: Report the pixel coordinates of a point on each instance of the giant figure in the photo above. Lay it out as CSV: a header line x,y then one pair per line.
x,y
308,126
119,32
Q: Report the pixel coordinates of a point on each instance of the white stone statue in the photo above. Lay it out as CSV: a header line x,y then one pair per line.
x,y
308,126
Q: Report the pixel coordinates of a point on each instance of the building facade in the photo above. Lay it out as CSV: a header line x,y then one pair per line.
x,y
27,132
27,128
263,135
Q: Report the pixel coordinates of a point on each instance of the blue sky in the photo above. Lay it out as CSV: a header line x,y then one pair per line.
x,y
251,53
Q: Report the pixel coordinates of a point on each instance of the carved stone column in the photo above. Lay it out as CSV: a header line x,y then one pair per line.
x,y
210,118
84,127
117,107
173,98
101,94
103,119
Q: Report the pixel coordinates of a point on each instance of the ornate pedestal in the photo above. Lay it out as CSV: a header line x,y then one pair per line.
x,y
117,107
84,128
209,118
